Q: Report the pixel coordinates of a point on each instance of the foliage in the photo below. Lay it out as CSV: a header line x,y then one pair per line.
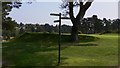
x,y
42,28
8,25
94,25
91,25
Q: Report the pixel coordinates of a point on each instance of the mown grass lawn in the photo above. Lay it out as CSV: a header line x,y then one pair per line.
x,y
36,49
104,53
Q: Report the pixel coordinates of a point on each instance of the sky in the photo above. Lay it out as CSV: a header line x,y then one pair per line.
x,y
39,12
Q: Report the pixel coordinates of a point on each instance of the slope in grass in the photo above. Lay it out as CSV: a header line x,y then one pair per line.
x,y
42,37
40,49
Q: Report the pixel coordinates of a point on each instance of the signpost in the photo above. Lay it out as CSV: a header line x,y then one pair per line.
x,y
59,33
53,14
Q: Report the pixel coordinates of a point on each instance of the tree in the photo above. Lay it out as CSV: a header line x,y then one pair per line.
x,y
98,25
39,28
107,24
48,28
9,28
7,7
69,5
84,25
115,25
65,28
21,27
8,24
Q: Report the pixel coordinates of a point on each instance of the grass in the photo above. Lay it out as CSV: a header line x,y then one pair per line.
x,y
105,53
37,49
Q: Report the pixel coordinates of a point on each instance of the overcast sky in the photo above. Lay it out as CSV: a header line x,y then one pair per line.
x,y
39,12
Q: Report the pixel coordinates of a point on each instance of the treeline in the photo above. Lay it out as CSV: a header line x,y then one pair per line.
x,y
42,28
94,25
89,25
23,28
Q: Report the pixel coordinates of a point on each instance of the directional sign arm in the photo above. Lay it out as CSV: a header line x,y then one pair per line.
x,y
55,14
57,21
65,18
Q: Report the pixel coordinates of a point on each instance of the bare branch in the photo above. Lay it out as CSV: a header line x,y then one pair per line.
x,y
71,10
83,8
81,3
87,5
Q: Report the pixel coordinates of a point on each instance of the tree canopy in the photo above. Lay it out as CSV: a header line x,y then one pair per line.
x,y
8,25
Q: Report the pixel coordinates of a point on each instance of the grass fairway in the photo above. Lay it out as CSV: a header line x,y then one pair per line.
x,y
36,49
104,53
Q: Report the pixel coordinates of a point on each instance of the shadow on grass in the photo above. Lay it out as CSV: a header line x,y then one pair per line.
x,y
29,54
86,45
46,37
35,49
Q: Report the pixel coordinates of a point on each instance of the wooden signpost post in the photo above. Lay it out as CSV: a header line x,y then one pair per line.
x,y
53,14
59,33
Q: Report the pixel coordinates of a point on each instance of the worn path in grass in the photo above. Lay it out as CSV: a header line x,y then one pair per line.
x,y
36,49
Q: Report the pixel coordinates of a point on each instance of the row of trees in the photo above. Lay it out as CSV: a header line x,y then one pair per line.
x,y
21,28
95,25
89,25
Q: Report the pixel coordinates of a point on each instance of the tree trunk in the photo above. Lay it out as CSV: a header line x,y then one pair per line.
x,y
74,32
76,20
